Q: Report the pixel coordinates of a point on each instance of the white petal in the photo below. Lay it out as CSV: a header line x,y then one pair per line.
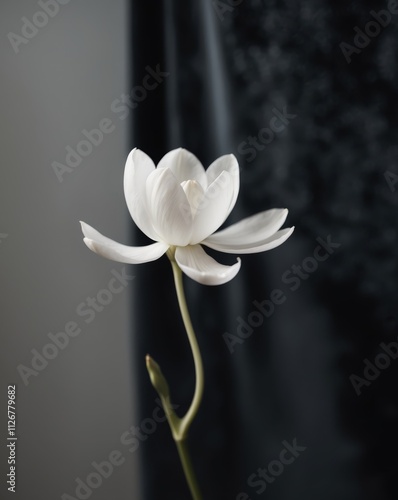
x,y
137,169
184,165
230,164
194,193
214,208
253,229
112,250
255,247
199,266
169,207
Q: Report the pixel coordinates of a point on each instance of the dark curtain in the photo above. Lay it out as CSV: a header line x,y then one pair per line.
x,y
308,106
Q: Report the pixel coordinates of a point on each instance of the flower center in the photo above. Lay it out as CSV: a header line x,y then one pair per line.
x,y
194,193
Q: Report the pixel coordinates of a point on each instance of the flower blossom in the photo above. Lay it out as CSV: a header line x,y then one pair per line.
x,y
179,205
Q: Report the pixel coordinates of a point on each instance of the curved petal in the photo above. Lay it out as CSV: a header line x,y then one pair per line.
x,y
260,246
169,208
137,169
184,165
214,208
229,163
112,250
199,266
253,229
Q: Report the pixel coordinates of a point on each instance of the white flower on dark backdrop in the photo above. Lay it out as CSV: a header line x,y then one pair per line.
x,y
180,205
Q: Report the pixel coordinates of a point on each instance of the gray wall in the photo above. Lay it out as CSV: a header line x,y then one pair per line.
x,y
74,410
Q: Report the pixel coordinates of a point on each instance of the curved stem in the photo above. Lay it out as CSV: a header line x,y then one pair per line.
x,y
180,426
186,421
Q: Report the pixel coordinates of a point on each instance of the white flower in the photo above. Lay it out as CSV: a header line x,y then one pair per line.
x,y
179,205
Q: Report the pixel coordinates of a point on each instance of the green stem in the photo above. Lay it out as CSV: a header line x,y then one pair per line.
x,y
180,426
188,469
186,421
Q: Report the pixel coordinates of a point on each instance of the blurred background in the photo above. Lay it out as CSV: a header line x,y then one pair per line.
x,y
304,94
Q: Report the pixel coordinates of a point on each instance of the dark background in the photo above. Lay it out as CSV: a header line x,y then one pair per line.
x,y
231,64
